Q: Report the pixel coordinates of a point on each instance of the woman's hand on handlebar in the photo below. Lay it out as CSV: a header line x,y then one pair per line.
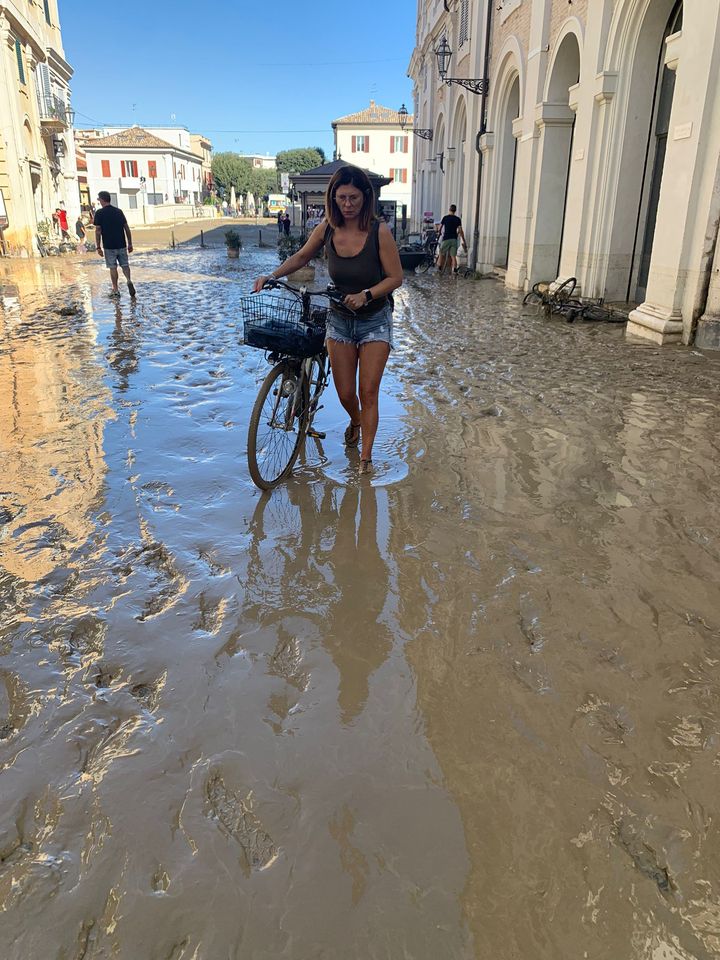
x,y
260,283
355,300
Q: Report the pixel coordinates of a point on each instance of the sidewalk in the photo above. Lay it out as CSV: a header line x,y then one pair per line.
x,y
188,232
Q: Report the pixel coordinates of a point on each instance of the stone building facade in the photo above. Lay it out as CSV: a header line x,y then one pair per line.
x,y
37,153
594,153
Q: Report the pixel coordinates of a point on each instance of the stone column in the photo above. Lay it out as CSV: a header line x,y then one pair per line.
x,y
688,204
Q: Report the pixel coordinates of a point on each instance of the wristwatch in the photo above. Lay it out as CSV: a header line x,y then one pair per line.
x,y
368,296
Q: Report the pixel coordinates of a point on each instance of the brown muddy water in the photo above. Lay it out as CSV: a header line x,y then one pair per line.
x,y
466,710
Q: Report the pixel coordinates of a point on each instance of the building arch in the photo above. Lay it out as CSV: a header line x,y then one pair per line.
x,y
634,139
437,176
556,119
456,165
511,64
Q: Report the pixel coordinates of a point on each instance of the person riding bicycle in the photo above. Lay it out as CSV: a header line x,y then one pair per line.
x,y
364,264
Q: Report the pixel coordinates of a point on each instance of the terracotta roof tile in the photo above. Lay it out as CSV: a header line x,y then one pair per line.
x,y
132,137
373,114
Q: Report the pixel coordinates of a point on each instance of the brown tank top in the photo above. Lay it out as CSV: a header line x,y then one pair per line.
x,y
353,274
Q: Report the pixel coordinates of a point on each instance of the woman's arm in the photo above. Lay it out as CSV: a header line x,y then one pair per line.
x,y
297,260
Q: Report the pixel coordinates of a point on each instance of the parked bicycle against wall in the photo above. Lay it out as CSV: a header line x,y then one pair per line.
x,y
288,324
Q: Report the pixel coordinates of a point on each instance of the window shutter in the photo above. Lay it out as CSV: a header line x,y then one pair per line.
x,y
367,144
122,168
354,143
392,144
404,179
105,164
405,144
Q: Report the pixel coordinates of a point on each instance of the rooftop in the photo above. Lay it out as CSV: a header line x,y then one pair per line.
x,y
373,114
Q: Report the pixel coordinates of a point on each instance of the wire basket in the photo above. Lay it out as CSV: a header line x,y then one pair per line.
x,y
275,323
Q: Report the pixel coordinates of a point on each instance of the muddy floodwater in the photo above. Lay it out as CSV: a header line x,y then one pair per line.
x,y
466,710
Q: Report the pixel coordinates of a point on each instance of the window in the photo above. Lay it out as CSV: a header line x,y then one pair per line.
x,y
132,201
361,144
152,168
399,144
46,5
128,168
154,199
113,199
464,21
105,164
399,174
21,65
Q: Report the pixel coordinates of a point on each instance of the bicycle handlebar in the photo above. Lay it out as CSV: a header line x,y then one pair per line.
x,y
330,292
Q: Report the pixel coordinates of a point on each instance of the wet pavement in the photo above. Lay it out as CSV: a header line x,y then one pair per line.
x,y
468,709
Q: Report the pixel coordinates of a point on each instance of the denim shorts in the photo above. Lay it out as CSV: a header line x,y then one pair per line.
x,y
360,330
119,257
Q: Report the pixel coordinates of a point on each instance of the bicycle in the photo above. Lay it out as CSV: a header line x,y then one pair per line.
x,y
291,330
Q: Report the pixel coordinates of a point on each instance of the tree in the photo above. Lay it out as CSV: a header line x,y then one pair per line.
x,y
231,170
299,159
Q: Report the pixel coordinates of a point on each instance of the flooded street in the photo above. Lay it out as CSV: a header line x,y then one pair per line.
x,y
466,711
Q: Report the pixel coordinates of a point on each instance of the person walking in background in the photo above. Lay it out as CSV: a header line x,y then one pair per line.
x,y
286,224
111,231
451,233
280,223
80,234
62,221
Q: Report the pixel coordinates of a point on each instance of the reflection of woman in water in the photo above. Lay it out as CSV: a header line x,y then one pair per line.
x,y
348,600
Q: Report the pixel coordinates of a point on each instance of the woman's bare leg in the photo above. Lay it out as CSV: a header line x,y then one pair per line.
x,y
373,357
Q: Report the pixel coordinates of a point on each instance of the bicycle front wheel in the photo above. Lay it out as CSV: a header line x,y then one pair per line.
x,y
278,423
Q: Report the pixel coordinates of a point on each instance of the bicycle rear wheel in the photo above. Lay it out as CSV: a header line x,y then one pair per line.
x,y
278,423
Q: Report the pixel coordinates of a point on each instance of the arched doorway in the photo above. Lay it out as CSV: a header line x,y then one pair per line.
x,y
557,121
456,192
642,134
507,153
654,164
438,168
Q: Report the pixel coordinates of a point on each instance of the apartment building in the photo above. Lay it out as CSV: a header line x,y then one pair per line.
x,y
589,149
146,176
374,139
37,151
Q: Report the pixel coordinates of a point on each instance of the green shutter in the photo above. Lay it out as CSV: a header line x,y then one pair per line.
x,y
21,65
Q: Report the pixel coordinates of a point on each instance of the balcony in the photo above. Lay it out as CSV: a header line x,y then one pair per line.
x,y
55,114
129,183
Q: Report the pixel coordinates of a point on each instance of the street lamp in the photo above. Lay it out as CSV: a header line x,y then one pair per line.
x,y
402,120
444,55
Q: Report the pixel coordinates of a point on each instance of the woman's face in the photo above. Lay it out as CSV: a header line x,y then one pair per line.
x,y
350,200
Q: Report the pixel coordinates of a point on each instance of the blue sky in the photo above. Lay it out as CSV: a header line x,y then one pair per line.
x,y
237,70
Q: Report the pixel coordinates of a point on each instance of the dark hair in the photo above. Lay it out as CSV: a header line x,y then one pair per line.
x,y
104,195
453,208
354,177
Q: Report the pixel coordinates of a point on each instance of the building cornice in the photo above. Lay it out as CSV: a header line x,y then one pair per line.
x,y
59,64
11,22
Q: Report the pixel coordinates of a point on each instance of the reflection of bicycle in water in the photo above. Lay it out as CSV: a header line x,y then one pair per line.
x,y
292,332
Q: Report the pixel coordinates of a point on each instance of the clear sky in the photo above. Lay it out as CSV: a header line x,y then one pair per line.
x,y
255,77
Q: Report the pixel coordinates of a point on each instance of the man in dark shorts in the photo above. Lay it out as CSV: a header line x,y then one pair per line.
x,y
111,229
451,232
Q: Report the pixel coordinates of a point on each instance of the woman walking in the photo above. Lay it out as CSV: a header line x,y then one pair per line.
x,y
364,265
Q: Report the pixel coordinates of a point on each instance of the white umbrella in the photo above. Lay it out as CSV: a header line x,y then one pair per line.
x,y
232,199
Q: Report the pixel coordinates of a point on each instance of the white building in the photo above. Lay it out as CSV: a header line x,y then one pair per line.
x,y
146,176
37,152
594,153
374,140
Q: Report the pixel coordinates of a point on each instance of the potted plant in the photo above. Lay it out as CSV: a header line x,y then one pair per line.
x,y
288,245
233,243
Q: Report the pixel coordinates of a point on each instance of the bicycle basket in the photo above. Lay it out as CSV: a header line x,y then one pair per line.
x,y
274,323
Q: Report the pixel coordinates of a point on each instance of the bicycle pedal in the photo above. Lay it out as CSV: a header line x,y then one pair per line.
x,y
316,434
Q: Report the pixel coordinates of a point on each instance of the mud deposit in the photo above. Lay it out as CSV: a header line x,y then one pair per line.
x,y
466,710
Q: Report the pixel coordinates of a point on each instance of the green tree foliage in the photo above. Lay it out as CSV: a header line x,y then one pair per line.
x,y
300,159
231,170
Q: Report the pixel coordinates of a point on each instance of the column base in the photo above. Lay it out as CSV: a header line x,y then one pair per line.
x,y
655,323
707,335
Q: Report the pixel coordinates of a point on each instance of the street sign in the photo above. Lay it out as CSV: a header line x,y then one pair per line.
x,y
284,182
142,179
